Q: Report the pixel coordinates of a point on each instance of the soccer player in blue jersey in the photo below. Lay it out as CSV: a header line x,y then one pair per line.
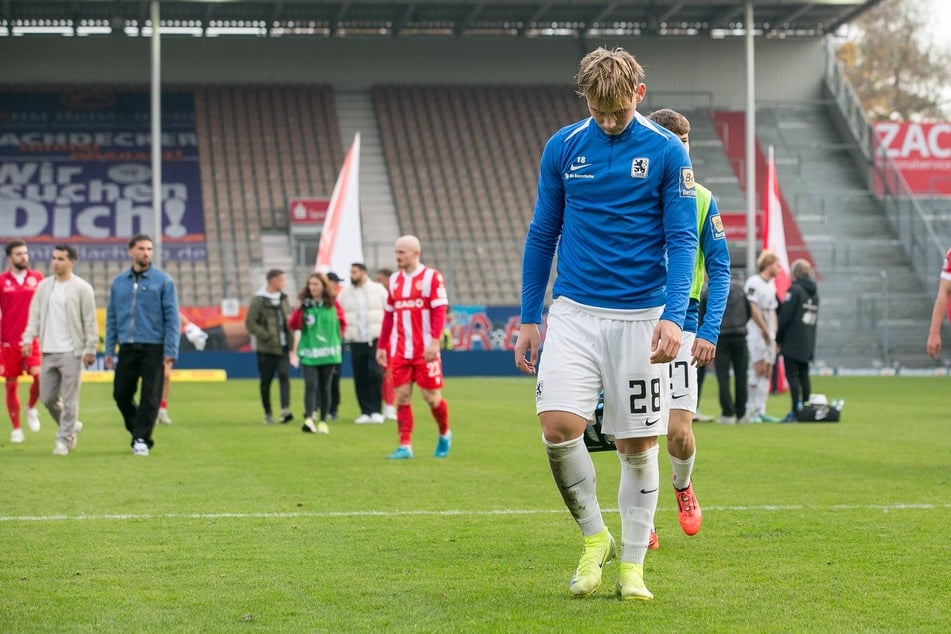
x,y
617,199
697,346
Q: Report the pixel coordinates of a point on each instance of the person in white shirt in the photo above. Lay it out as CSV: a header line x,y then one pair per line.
x,y
63,320
761,333
363,304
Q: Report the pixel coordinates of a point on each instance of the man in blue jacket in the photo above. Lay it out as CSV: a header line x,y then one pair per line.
x,y
142,320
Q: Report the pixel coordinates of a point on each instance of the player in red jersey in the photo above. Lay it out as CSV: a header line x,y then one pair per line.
x,y
17,286
409,343
940,310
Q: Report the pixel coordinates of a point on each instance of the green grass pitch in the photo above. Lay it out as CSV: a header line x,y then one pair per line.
x,y
231,525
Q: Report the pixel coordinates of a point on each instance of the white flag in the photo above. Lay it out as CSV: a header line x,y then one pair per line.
x,y
341,241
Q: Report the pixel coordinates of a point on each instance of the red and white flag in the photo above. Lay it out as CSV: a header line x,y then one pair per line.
x,y
774,239
774,232
341,241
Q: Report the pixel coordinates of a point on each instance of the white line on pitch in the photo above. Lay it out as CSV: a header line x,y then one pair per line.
x,y
333,514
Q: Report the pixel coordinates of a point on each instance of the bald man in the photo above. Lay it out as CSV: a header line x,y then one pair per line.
x,y
409,343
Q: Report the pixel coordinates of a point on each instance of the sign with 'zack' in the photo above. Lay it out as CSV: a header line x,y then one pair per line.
x,y
75,167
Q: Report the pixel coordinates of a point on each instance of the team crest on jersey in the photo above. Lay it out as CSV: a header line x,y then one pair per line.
x,y
418,285
639,167
718,231
31,281
688,188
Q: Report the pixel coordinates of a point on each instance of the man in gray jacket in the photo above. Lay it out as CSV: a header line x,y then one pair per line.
x,y
63,320
266,320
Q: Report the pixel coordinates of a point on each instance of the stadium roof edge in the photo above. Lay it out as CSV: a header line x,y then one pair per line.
x,y
427,18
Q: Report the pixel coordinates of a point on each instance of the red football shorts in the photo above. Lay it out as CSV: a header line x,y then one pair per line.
x,y
427,375
15,364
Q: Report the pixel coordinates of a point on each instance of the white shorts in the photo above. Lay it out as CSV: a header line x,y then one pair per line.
x,y
683,376
589,349
759,349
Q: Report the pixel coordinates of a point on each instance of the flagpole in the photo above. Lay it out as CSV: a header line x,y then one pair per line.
x,y
768,193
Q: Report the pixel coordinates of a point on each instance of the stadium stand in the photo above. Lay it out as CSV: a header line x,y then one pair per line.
x,y
258,146
462,161
265,132
870,294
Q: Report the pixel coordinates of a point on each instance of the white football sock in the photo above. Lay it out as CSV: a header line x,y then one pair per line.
x,y
575,476
682,470
758,393
637,501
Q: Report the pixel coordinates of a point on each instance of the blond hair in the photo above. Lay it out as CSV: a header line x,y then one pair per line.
x,y
609,78
765,259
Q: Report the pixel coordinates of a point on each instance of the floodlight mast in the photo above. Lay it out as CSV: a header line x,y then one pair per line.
x,y
750,149
156,137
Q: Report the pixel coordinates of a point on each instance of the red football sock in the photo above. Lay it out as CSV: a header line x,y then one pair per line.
x,y
34,391
13,402
163,405
441,414
404,423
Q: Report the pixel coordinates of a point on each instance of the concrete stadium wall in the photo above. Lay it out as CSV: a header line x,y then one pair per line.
x,y
786,70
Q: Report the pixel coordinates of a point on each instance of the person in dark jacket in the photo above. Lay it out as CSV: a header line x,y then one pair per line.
x,y
266,320
732,352
796,333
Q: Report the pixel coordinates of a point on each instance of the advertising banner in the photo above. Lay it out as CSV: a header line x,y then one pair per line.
x,y
921,152
75,167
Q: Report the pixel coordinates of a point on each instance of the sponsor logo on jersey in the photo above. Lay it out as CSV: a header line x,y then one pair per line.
x,y
574,175
688,187
320,353
719,232
639,167
399,304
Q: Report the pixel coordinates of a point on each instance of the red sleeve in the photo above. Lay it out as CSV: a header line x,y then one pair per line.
x,y
296,320
341,316
438,321
384,341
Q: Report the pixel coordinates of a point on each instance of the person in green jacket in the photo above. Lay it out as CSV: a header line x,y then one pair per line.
x,y
266,320
318,348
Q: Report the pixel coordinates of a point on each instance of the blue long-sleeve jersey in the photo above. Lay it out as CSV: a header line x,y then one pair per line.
x,y
622,212
713,258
